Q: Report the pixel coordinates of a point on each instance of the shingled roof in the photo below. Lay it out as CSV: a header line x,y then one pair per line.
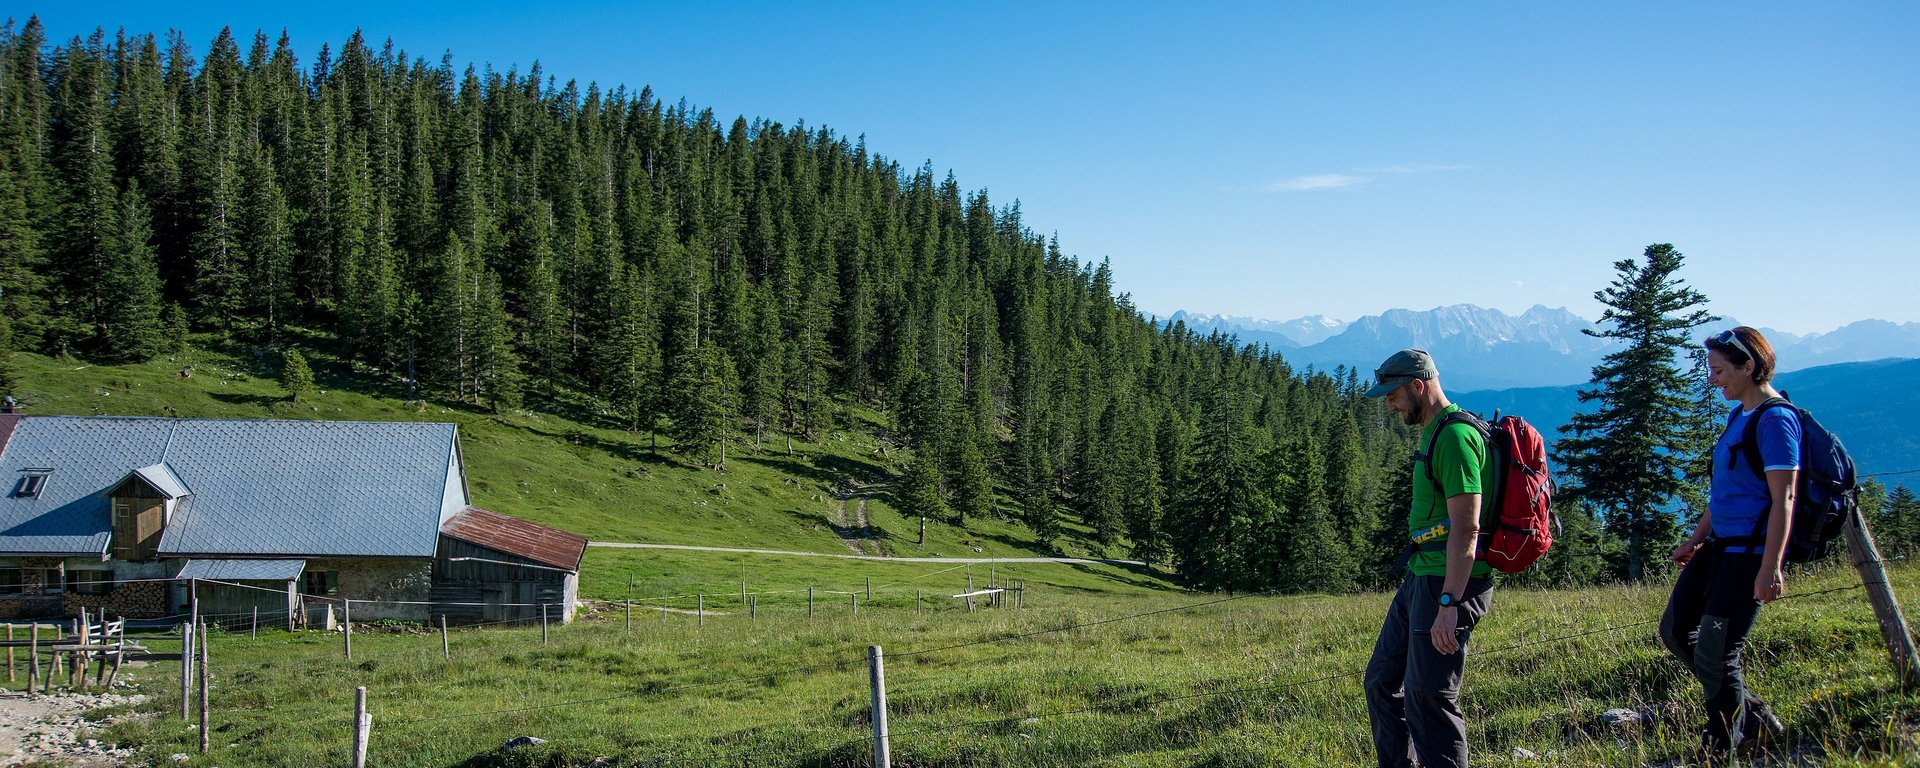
x,y
258,487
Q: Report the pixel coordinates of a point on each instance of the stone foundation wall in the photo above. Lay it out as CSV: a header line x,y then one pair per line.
x,y
379,582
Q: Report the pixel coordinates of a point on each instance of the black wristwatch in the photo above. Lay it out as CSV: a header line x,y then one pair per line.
x,y
1448,600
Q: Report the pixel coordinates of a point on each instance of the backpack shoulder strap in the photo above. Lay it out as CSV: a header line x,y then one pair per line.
x,y
1750,436
1448,420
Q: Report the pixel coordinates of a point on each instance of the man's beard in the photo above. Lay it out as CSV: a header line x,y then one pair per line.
x,y
1416,414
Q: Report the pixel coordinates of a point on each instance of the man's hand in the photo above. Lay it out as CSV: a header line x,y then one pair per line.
x,y
1683,554
1442,635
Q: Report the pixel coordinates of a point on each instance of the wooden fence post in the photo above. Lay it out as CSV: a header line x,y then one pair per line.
x,y
253,631
916,601
877,674
702,609
9,652
346,626
362,727
869,589
206,732
663,606
1893,625
854,599
753,606
543,623
629,603
186,671
446,650
809,602
33,654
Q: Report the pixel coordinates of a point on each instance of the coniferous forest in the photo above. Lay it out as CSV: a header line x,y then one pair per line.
x,y
512,239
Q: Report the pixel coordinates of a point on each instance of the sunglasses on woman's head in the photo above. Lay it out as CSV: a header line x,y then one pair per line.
x,y
1731,339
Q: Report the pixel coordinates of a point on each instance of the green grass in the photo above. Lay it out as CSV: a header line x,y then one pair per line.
x,y
1255,681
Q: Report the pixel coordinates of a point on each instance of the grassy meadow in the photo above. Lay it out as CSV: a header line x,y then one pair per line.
x,y
1207,681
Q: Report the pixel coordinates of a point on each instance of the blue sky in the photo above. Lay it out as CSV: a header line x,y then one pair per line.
x,y
1283,159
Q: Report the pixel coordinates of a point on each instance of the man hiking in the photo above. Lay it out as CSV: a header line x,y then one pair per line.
x,y
1413,680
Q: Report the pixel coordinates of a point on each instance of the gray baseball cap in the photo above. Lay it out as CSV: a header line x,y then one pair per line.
x,y
1404,366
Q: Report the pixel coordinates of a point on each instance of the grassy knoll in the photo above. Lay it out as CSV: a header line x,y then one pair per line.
x,y
1250,682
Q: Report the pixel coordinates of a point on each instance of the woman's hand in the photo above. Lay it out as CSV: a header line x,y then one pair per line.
x,y
1769,585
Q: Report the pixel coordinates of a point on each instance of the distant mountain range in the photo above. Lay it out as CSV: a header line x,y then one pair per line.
x,y
1870,405
1479,348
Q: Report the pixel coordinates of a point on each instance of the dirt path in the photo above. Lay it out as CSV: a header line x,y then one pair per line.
x,y
847,534
44,730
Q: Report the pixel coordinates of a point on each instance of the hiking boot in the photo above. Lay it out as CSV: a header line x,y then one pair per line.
x,y
1758,725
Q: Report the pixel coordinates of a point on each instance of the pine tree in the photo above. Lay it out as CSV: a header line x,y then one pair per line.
x,y
919,492
295,375
1897,527
266,242
1626,455
129,323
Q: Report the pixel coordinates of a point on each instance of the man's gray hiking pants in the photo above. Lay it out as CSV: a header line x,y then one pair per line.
x,y
1413,691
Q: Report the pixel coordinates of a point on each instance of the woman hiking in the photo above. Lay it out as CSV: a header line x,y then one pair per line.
x,y
1731,564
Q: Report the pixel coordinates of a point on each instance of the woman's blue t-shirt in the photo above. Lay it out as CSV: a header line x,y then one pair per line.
x,y
1740,498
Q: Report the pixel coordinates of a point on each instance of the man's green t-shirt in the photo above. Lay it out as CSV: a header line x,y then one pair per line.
x,y
1458,458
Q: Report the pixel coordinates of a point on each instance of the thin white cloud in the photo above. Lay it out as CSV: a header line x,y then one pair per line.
x,y
1357,178
1383,170
1321,181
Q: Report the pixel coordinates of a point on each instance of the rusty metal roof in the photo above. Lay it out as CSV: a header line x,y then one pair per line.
x,y
536,542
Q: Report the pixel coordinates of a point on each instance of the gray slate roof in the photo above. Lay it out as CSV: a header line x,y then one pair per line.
x,y
243,570
259,487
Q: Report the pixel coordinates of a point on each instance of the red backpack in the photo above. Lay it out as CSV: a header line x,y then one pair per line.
x,y
1516,524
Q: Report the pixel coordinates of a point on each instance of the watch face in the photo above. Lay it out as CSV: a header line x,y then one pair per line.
x,y
1446,599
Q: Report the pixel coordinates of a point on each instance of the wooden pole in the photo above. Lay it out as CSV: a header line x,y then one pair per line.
x,y
869,589
877,674
186,670
9,652
809,602
629,603
543,623
916,601
753,606
1893,625
82,632
702,608
253,630
362,727
346,625
446,650
663,606
33,654
854,599
206,733
119,656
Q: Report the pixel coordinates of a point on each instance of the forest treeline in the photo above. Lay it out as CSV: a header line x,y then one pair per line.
x,y
505,238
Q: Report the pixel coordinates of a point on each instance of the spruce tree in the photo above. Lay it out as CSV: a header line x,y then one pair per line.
x,y
1627,455
295,375
129,322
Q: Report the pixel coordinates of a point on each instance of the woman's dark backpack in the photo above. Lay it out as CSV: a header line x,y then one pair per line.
x,y
1827,493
